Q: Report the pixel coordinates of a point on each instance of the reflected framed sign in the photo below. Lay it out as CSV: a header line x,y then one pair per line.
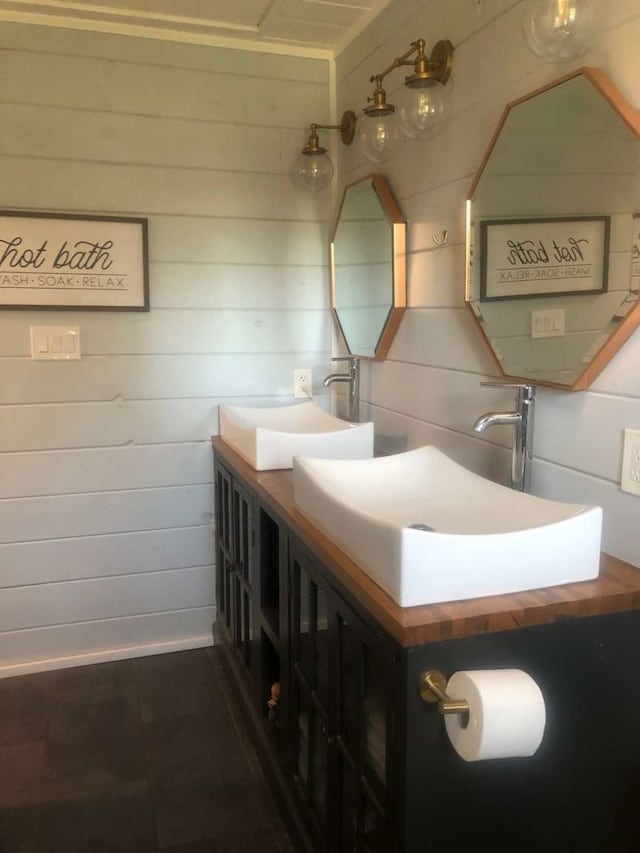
x,y
525,258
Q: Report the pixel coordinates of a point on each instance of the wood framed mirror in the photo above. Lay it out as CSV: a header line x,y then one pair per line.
x,y
553,233
368,267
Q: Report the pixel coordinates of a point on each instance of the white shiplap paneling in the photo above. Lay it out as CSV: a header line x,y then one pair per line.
x,y
106,499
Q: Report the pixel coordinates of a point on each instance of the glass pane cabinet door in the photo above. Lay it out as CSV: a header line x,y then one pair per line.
x,y
234,562
242,534
242,546
312,738
224,556
340,679
361,735
375,694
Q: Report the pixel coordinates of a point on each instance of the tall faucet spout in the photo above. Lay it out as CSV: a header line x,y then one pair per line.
x,y
353,378
522,421
336,377
497,419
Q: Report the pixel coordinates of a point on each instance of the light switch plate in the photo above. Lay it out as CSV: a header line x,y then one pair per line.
x,y
548,323
59,343
630,479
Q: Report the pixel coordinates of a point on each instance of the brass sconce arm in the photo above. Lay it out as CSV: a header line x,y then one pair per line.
x,y
426,69
347,128
435,67
416,46
313,169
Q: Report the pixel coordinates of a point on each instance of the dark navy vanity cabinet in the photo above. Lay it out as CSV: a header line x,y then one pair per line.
x,y
330,684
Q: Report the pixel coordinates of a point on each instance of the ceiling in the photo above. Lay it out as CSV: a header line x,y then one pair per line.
x,y
319,28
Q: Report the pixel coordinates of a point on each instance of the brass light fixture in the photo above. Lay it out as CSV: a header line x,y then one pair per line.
x,y
313,169
421,104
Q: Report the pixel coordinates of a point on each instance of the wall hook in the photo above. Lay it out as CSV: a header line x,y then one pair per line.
x,y
443,241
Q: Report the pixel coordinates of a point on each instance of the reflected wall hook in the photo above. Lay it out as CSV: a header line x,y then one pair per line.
x,y
443,241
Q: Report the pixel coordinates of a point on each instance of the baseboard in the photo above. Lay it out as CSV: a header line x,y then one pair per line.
x,y
105,655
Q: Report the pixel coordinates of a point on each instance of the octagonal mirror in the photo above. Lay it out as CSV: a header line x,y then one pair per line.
x,y
368,267
553,233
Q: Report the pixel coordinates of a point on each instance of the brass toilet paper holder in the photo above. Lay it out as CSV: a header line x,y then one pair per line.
x,y
433,686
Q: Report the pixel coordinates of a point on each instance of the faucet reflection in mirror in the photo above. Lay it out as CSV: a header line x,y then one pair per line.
x,y
550,219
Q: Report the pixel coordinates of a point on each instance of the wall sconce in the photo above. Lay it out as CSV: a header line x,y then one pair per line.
x,y
313,169
559,30
421,104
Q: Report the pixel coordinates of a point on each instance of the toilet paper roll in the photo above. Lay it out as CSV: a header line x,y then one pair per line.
x,y
506,714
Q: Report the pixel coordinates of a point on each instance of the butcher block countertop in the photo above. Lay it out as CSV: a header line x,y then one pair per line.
x,y
616,589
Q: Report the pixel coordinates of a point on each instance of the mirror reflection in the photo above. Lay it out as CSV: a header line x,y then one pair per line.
x,y
552,230
368,267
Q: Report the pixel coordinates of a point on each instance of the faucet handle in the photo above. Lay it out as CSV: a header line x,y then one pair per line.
x,y
498,384
344,358
529,390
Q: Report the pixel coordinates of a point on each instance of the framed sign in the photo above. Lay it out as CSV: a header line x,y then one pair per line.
x,y
62,261
523,258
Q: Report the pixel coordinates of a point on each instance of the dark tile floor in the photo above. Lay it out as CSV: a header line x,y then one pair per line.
x,y
134,756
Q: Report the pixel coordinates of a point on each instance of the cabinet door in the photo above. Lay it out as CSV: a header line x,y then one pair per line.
x,y
224,551
340,706
234,562
311,740
361,722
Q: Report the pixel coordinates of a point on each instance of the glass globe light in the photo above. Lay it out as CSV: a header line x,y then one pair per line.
x,y
559,30
313,171
421,108
379,136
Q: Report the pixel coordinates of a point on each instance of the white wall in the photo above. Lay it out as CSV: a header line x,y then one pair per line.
x,y
105,463
428,390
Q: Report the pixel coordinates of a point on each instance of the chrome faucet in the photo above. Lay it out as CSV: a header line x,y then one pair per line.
x,y
522,421
353,378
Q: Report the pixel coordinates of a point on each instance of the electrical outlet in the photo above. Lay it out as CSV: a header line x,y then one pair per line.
x,y
630,479
302,382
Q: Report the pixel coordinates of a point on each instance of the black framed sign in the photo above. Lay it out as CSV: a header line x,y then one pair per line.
x,y
63,261
524,258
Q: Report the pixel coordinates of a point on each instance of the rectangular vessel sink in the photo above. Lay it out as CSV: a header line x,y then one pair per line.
x,y
269,438
428,530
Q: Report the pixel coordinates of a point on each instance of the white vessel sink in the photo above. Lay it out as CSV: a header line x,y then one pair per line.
x,y
485,539
269,438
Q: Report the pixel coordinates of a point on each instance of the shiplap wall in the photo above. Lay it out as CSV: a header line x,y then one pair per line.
x,y
428,390
105,463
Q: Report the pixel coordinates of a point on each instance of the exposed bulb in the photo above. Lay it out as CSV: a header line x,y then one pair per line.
x,y
559,30
379,136
312,172
421,109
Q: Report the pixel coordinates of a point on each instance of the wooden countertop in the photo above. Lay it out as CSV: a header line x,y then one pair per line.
x,y
616,589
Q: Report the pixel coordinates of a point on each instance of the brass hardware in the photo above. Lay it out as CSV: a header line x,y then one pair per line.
x,y
313,169
379,105
347,128
425,70
433,686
